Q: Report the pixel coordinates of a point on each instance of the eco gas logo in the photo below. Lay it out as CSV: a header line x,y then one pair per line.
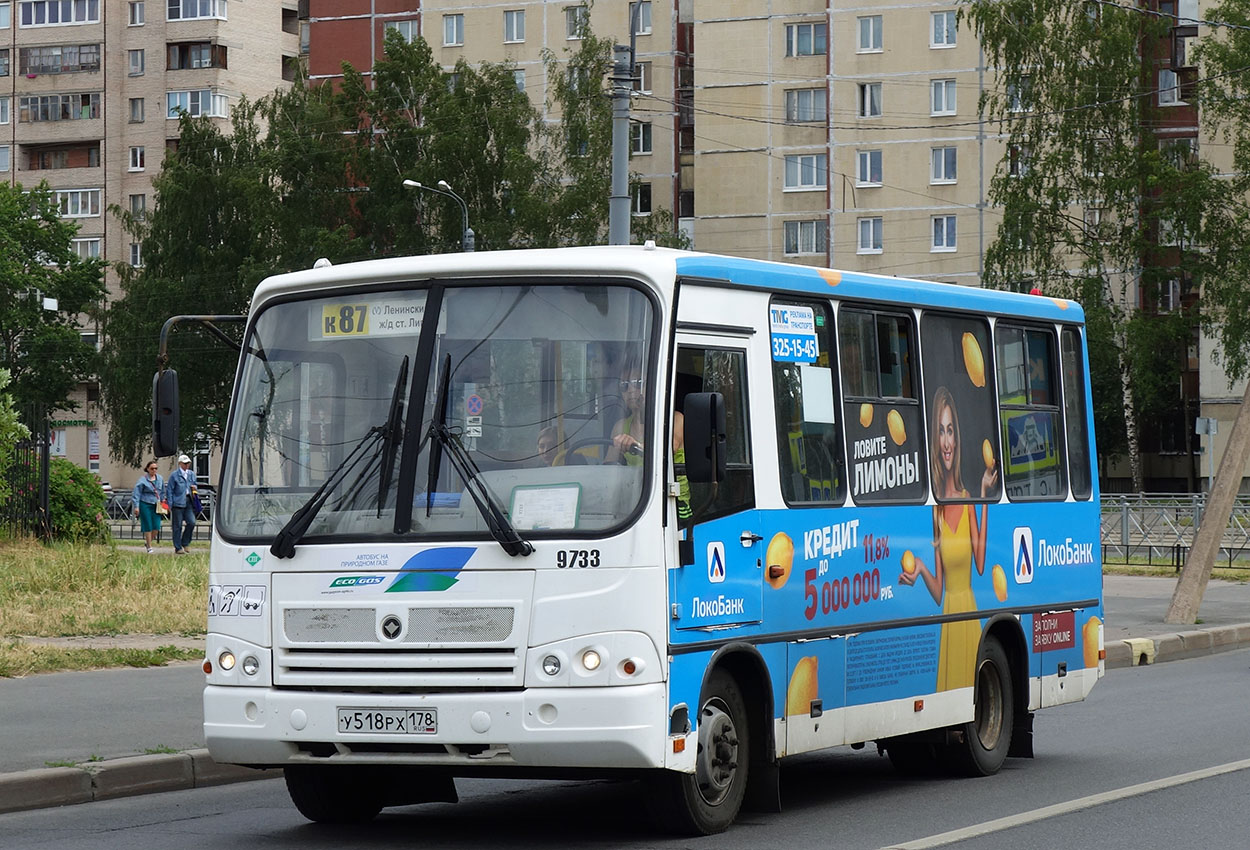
x,y
1022,553
357,581
716,562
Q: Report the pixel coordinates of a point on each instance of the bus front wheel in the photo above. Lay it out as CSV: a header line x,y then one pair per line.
x,y
708,800
988,737
333,793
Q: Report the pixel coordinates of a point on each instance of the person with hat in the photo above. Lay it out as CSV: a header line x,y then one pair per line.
x,y
180,489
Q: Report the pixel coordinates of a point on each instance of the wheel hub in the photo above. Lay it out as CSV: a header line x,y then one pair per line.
x,y
718,752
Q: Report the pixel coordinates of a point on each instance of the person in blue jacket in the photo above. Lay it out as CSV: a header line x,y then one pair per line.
x,y
178,490
149,490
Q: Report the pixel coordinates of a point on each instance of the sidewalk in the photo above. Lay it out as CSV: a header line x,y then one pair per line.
x,y
115,716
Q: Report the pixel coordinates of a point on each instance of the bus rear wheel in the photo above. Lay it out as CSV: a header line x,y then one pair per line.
x,y
333,793
987,738
708,800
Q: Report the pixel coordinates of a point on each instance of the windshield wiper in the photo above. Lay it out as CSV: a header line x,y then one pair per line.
x,y
391,438
385,435
441,437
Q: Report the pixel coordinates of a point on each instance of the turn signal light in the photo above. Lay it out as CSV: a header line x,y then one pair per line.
x,y
679,745
208,666
918,705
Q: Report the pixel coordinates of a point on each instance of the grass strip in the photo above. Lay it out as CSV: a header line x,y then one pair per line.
x,y
22,659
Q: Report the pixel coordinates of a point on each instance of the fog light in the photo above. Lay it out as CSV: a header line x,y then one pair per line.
x,y
226,660
250,665
591,659
551,665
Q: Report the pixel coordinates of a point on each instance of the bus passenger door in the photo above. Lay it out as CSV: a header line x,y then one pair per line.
x,y
724,585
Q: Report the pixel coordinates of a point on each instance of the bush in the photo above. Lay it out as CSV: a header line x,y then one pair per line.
x,y
75,503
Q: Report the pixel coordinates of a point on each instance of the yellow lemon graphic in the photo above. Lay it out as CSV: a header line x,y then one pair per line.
x,y
804,687
1000,582
1089,641
974,362
779,557
909,563
894,421
865,414
987,452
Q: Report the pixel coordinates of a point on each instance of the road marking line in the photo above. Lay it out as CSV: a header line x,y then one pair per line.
x,y
999,824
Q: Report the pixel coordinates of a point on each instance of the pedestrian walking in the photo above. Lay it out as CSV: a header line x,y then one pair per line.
x,y
149,492
181,491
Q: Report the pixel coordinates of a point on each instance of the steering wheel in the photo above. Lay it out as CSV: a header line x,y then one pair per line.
x,y
590,441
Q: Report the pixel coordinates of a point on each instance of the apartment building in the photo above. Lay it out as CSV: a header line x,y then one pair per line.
x,y
90,94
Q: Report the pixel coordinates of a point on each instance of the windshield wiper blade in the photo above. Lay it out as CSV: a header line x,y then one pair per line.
x,y
391,437
297,526
501,528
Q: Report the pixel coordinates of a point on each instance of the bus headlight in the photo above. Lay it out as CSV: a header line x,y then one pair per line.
x,y
225,661
551,665
250,665
591,659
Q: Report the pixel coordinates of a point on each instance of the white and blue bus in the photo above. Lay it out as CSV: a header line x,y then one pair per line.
x,y
645,513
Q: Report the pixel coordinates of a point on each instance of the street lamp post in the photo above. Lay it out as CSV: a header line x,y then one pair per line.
x,y
467,237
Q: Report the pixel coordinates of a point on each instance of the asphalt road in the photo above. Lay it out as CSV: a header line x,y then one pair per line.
x,y
1165,747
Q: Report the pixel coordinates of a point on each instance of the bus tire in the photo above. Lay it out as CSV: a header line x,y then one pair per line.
x,y
987,738
333,793
707,801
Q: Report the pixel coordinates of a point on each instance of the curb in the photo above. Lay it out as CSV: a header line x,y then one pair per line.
x,y
1139,652
123,777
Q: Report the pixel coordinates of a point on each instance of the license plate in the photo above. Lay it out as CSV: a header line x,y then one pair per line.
x,y
394,721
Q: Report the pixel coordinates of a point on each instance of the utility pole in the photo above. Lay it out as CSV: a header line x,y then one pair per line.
x,y
618,200
1210,534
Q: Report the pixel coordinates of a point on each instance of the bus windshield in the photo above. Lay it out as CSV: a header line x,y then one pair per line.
x,y
526,379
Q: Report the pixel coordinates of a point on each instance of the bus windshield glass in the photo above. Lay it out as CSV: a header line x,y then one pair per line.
x,y
526,380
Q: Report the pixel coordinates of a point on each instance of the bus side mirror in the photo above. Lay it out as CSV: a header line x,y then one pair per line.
x,y
705,437
165,413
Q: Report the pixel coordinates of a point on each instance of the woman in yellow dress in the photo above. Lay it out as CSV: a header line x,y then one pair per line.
x,y
958,543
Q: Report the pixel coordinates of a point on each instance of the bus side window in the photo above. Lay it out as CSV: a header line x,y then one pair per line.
x,y
809,437
1074,413
718,370
1029,424
884,428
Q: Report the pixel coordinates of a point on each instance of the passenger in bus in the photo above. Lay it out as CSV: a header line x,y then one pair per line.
x,y
550,452
958,543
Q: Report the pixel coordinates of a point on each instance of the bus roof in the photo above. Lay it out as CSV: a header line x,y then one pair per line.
x,y
662,263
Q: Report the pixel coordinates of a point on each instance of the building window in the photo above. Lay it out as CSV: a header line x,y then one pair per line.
x,y
943,165
642,82
869,236
58,107
1017,160
806,39
181,10
943,100
4,110
6,16
136,254
194,55
644,18
1018,92
943,32
640,137
4,62
196,103
870,100
575,21
5,157
139,206
514,26
42,13
518,77
136,110
642,199
806,171
870,34
136,158
86,249
1169,93
453,30
60,59
78,203
136,62
943,233
806,237
1093,221
805,105
868,171
409,31
136,13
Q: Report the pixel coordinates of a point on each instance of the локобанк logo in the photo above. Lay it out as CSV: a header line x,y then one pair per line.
x,y
1022,554
716,562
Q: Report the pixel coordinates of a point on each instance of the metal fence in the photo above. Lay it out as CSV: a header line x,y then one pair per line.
x,y
1158,528
124,525
25,512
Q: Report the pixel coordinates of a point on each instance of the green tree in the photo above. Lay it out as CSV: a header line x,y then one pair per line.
x,y
42,349
11,432
1089,192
